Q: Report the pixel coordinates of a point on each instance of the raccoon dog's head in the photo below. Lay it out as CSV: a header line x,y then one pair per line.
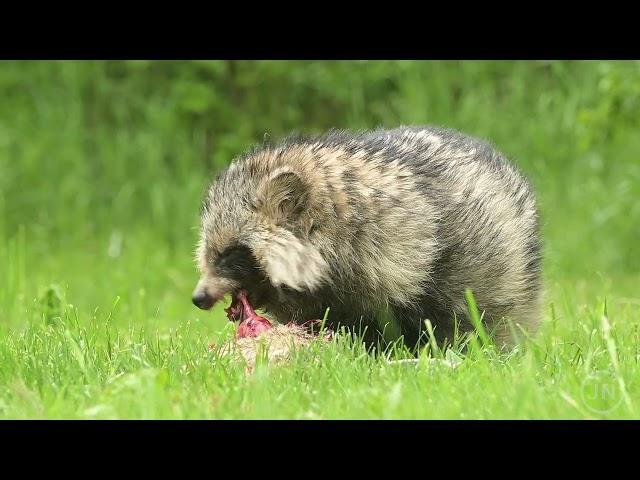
x,y
256,235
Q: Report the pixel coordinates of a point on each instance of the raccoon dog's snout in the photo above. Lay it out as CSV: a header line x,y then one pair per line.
x,y
211,290
202,299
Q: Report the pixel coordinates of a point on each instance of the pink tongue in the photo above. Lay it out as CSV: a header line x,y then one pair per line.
x,y
252,324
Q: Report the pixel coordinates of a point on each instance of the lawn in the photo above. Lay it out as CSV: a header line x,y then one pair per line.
x,y
102,168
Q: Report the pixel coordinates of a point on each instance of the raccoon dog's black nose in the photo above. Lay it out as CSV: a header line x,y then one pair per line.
x,y
202,300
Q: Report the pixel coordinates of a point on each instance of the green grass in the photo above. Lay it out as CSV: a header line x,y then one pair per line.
x,y
79,365
101,170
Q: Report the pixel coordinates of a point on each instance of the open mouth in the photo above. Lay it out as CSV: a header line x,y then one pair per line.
x,y
235,310
251,324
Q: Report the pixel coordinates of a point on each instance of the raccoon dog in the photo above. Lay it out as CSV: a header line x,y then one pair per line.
x,y
388,228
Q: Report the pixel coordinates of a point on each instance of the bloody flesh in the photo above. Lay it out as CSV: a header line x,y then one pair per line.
x,y
251,324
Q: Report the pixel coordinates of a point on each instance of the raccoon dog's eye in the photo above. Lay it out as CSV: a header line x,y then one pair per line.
x,y
236,261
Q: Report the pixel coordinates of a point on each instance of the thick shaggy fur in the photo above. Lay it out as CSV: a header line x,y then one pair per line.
x,y
388,228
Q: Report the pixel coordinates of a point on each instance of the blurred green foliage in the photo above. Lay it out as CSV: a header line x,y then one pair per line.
x,y
89,150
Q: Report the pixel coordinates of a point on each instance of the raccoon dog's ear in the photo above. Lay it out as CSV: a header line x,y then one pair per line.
x,y
283,195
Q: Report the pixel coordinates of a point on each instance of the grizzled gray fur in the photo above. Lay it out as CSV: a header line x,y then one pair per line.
x,y
388,228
